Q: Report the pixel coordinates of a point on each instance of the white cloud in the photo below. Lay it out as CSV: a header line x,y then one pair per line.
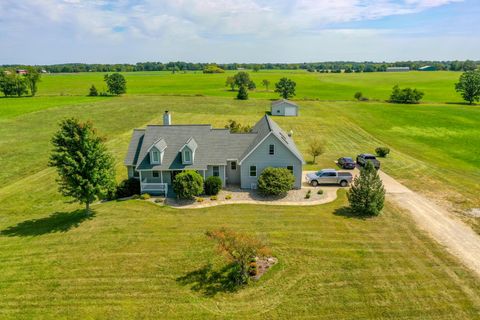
x,y
177,26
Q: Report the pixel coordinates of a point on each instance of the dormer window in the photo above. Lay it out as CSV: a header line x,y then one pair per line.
x,y
156,151
187,156
155,156
188,151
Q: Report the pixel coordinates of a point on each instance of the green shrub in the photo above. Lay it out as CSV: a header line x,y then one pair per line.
x,y
358,95
228,197
213,198
382,151
145,196
367,194
308,195
275,181
159,200
213,185
127,188
93,91
320,191
407,95
136,196
188,184
242,93
200,199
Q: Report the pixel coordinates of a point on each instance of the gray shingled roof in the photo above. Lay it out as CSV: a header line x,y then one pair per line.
x,y
274,103
266,126
213,146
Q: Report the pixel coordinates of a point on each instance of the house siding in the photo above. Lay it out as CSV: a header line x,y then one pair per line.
x,y
261,158
222,173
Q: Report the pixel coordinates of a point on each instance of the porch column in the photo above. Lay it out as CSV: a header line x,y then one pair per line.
x,y
161,176
204,175
141,183
224,176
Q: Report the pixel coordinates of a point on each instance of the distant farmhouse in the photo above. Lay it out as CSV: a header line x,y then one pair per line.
x,y
22,71
284,108
159,152
398,69
427,68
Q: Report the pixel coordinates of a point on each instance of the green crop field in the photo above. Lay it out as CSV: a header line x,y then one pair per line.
x,y
127,261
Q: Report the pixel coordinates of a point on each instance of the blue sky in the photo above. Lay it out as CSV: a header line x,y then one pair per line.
x,y
128,31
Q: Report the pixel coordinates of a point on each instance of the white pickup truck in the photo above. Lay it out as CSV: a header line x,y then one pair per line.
x,y
329,176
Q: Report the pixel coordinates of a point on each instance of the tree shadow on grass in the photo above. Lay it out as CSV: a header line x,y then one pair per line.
x,y
346,212
209,282
56,222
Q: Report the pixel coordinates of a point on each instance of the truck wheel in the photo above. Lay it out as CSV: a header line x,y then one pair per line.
x,y
314,183
343,183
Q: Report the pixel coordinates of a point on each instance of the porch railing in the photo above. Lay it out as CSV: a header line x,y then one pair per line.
x,y
154,186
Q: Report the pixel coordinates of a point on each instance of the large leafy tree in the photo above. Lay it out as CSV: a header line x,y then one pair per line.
x,y
32,78
85,168
367,194
469,86
406,95
286,88
116,83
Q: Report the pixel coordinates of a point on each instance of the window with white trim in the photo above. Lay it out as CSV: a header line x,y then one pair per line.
x,y
155,157
253,171
233,165
271,149
187,156
290,168
216,171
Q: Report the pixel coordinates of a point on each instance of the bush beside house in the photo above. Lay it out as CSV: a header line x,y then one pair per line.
x,y
213,185
275,181
188,184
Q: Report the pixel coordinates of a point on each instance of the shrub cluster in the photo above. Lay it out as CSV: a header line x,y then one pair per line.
x,y
382,151
275,181
128,188
367,194
407,95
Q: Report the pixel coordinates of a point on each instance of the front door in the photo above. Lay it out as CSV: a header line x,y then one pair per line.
x,y
233,172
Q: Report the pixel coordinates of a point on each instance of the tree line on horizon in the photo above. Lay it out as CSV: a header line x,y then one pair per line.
x,y
181,66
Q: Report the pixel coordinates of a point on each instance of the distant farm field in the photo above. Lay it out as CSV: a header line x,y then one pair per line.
x,y
127,260
438,86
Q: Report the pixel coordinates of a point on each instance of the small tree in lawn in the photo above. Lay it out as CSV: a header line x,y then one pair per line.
x,y
230,82
188,184
286,88
116,83
367,194
239,249
85,168
316,148
358,95
469,86
242,93
93,91
32,78
266,84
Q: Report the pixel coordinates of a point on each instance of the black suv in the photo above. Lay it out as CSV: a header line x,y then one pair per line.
x,y
346,163
363,158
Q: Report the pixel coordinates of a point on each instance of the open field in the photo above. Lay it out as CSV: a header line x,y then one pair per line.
x,y
438,86
135,259
125,261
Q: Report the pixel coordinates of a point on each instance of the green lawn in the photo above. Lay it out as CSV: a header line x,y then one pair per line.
x,y
135,260
125,261
438,86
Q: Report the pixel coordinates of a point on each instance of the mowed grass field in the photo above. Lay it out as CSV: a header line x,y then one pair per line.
x,y
134,259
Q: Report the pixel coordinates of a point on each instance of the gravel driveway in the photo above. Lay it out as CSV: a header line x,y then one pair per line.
x,y
457,237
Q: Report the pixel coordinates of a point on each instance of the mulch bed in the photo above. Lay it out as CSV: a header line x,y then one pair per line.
x,y
263,265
